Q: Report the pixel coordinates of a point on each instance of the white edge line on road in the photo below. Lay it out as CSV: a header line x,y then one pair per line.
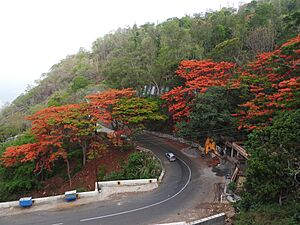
x,y
147,206
57,224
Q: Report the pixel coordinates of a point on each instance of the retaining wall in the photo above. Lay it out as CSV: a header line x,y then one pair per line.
x,y
46,200
104,184
218,219
116,183
172,137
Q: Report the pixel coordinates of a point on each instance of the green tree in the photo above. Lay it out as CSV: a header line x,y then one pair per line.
x,y
274,161
229,50
211,114
135,113
79,82
17,180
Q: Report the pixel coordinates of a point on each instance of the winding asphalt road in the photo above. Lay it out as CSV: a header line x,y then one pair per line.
x,y
177,191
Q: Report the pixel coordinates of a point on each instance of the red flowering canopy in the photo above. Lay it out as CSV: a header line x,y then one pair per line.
x,y
52,127
274,81
103,103
198,76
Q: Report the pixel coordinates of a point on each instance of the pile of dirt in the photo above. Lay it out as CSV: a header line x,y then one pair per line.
x,y
85,179
213,162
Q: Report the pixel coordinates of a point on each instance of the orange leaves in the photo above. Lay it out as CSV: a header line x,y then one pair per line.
x,y
55,127
40,152
274,80
191,69
51,127
292,41
256,89
109,97
199,76
102,103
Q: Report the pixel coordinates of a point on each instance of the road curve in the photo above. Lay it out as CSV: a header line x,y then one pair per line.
x,y
177,191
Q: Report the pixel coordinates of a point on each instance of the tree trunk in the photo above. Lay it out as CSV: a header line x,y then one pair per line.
x,y
83,153
96,173
157,93
280,198
68,171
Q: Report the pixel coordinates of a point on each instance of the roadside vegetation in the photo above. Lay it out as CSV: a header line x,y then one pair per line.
x,y
229,73
61,134
140,165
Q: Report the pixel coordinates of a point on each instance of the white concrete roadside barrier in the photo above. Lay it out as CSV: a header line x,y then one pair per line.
x,y
47,199
123,185
172,137
9,204
87,194
115,183
176,223
218,219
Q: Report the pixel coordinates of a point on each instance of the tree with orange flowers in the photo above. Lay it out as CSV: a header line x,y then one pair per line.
x,y
69,123
102,104
274,82
123,111
198,77
54,129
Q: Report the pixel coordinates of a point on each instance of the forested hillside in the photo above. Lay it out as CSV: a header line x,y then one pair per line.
x,y
146,57
229,74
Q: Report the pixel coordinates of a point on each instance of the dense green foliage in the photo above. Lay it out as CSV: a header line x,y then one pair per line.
x,y
272,190
140,165
274,161
17,180
137,112
271,214
211,115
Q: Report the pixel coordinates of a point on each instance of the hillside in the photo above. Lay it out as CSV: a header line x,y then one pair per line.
x,y
225,76
146,57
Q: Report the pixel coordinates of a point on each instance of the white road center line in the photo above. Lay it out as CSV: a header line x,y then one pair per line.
x,y
57,224
147,206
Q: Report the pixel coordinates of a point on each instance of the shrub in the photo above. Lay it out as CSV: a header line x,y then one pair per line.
x,y
140,165
232,186
274,214
101,172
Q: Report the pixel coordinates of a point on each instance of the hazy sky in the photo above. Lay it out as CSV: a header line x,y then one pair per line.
x,y
35,34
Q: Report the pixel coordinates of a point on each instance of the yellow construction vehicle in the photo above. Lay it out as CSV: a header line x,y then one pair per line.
x,y
210,146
